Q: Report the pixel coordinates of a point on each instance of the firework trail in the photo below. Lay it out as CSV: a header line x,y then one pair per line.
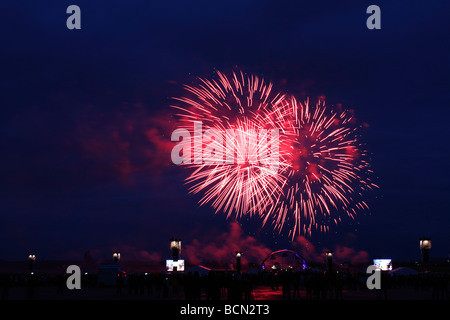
x,y
321,172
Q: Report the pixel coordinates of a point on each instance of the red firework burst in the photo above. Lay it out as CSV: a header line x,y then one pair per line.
x,y
319,171
243,112
328,171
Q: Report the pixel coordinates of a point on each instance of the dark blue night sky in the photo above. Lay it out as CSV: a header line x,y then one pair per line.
x,y
81,169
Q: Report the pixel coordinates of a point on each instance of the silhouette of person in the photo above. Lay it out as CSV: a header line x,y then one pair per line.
x,y
119,283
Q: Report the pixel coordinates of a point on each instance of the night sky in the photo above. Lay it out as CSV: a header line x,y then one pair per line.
x,y
85,133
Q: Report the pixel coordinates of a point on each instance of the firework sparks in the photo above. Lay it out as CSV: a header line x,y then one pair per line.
x,y
317,178
327,172
243,110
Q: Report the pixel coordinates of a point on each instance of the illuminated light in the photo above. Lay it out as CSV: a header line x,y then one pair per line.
x,y
383,264
116,256
172,265
425,248
425,244
175,247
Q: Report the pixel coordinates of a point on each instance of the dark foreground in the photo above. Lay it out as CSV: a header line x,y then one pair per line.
x,y
289,286
259,293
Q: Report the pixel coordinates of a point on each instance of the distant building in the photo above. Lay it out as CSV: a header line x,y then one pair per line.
x,y
284,260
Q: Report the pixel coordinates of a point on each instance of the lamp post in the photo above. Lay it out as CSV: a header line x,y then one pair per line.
x,y
31,259
329,255
175,247
425,246
238,261
116,257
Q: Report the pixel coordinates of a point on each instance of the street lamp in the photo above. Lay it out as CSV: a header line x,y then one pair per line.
x,y
175,247
116,257
238,261
329,255
31,259
425,246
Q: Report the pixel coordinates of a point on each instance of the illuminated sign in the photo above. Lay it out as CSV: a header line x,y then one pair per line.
x,y
383,264
174,265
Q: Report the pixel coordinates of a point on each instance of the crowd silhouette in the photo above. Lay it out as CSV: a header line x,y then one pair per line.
x,y
220,285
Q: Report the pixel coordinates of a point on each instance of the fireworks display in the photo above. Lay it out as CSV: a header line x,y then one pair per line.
x,y
257,152
328,172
